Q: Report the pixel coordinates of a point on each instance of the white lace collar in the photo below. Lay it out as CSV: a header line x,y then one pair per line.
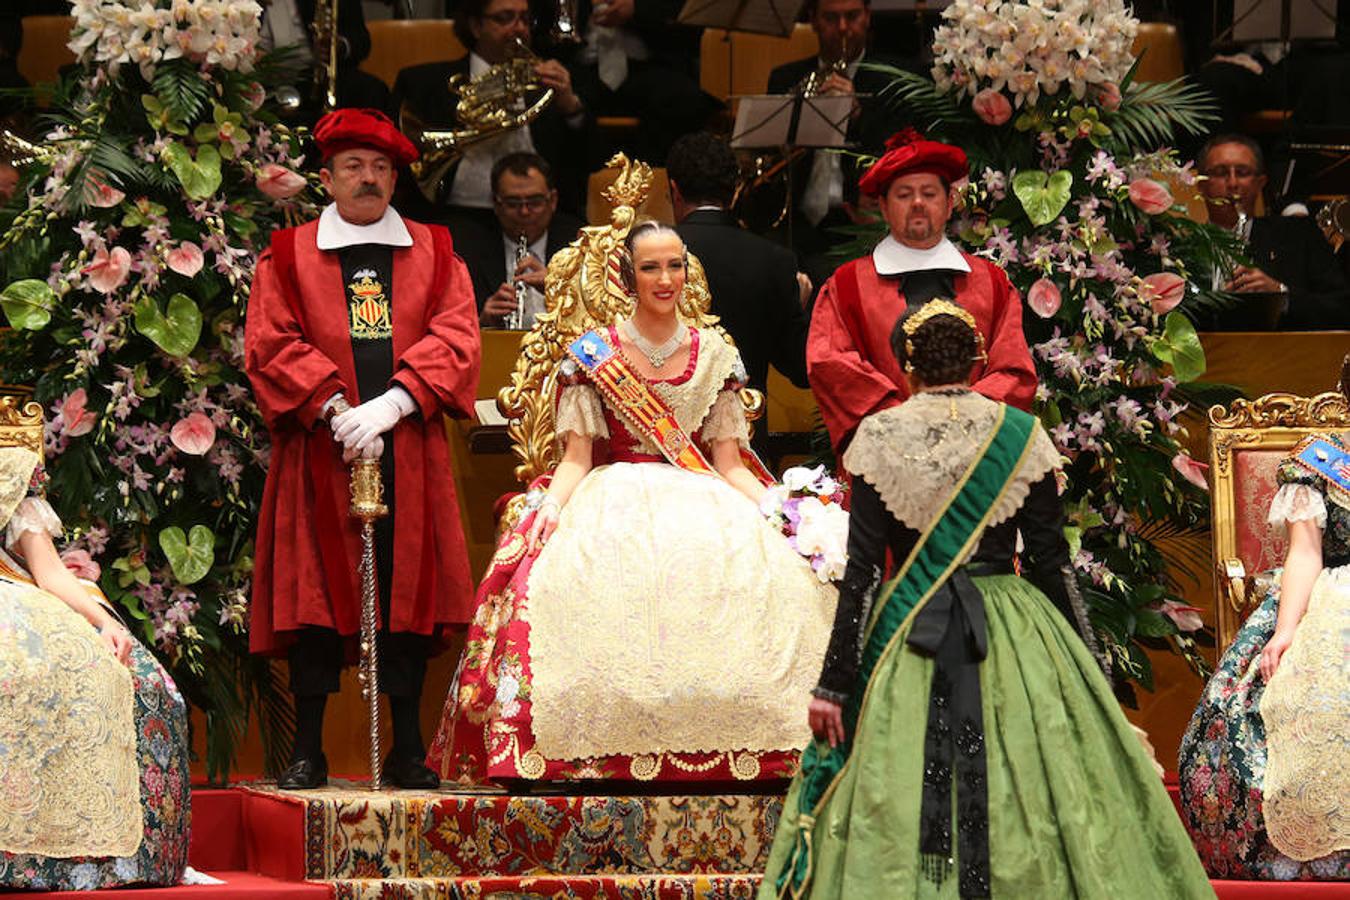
x,y
336,232
894,258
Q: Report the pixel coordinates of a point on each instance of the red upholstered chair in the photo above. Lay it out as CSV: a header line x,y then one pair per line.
x,y
1247,441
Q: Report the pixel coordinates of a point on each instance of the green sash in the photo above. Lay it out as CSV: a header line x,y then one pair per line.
x,y
942,546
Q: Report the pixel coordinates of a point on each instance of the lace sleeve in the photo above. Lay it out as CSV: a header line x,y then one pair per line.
x,y
580,412
32,514
726,419
1297,502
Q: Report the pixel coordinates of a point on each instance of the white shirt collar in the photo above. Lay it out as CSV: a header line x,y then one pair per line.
x,y
894,258
477,65
336,232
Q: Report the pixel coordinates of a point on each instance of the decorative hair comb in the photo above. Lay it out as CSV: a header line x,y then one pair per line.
x,y
941,307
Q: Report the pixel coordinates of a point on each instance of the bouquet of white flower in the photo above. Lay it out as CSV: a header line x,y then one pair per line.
x,y
808,508
217,32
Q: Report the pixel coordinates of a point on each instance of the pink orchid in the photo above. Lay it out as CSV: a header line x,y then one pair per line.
x,y
1186,618
1151,197
193,434
186,259
76,420
101,194
279,182
109,269
1044,298
1164,291
1192,470
81,564
992,107
1108,95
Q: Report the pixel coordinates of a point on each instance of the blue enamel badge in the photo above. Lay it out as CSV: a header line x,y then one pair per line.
x,y
591,349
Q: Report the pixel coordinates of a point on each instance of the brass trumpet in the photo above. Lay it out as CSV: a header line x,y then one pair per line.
x,y
494,102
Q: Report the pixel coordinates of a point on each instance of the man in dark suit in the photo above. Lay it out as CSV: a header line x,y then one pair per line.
x,y
634,59
825,185
526,205
1294,274
290,22
755,287
495,31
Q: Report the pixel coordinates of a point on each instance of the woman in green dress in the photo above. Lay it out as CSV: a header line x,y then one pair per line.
x,y
967,743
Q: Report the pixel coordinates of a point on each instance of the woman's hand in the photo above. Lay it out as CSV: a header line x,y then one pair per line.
x,y
116,639
827,721
544,524
1270,657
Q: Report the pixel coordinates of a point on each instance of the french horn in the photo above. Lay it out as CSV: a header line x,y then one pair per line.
x,y
494,102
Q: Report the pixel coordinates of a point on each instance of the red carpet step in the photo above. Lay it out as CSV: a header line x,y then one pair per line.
x,y
575,887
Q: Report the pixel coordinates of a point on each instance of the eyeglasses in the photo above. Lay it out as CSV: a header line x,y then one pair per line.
x,y
508,17
524,204
1241,173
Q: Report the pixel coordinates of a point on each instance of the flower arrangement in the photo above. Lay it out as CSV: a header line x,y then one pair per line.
x,y
219,33
125,268
1072,193
807,507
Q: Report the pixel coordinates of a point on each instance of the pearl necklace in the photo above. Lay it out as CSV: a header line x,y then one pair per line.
x,y
656,355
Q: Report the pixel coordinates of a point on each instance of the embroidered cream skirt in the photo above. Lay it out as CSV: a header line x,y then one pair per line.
x,y
666,615
1306,709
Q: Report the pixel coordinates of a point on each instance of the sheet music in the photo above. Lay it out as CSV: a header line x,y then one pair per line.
x,y
1260,20
775,17
824,121
762,121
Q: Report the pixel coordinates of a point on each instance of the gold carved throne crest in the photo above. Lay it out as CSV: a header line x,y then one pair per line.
x,y
582,291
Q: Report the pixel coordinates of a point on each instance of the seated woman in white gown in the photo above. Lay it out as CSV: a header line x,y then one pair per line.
x,y
644,622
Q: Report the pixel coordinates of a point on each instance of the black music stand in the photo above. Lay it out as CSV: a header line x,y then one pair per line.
x,y
791,122
772,17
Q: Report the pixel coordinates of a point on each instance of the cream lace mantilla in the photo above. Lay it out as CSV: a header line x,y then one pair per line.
x,y
916,453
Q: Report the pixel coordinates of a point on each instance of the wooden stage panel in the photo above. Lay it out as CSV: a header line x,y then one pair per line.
x,y
1304,363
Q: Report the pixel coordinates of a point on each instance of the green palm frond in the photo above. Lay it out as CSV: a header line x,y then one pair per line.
x,y
180,86
1153,114
921,97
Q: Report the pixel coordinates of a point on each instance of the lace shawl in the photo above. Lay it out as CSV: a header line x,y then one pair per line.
x,y
916,453
17,465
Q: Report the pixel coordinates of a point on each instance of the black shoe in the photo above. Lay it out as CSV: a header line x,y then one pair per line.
x,y
304,773
408,773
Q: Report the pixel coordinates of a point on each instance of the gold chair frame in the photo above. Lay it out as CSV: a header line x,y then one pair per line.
x,y
1273,422
21,422
582,291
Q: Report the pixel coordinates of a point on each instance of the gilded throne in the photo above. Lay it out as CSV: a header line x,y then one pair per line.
x,y
1247,442
582,291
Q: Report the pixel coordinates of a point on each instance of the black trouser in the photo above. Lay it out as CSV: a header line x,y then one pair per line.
x,y
317,656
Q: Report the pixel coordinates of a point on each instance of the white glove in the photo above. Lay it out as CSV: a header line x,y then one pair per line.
x,y
358,427
374,450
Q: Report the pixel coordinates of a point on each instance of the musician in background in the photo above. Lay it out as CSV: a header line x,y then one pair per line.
x,y
525,203
825,185
291,22
495,31
1289,255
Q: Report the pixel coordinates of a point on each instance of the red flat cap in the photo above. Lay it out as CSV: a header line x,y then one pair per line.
x,y
370,129
908,152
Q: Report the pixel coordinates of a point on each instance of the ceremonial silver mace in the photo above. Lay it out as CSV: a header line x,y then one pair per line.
x,y
367,492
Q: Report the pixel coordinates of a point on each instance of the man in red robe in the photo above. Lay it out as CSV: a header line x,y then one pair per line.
x,y
362,333
849,361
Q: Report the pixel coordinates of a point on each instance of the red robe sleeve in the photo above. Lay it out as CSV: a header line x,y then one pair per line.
x,y
846,385
440,370
1009,375
291,378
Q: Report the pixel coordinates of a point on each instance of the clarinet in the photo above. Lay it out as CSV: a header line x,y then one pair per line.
x,y
516,320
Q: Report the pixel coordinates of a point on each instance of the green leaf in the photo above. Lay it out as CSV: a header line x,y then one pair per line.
x,y
1042,196
177,332
205,133
189,556
1180,347
201,177
28,304
1150,623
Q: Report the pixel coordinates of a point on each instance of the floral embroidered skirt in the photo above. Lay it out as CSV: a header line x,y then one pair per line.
x,y
1224,753
1075,807
665,633
30,647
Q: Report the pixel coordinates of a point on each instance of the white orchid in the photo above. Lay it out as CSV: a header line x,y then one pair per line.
x,y
146,32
